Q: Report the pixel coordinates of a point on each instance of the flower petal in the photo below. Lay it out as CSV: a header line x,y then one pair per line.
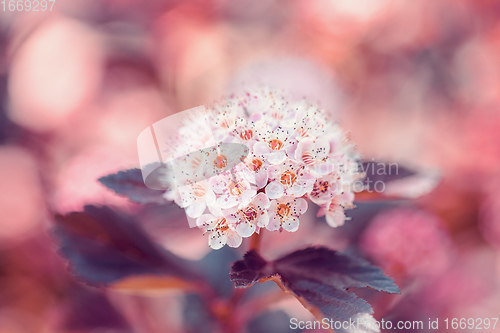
x,y
300,206
233,239
261,178
245,229
205,220
274,223
217,240
274,190
196,209
276,157
262,220
335,218
291,224
261,201
261,148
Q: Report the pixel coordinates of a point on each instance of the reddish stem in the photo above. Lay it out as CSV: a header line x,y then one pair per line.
x,y
255,241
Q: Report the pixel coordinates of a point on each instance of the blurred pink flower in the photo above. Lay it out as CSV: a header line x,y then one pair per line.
x,y
408,242
59,67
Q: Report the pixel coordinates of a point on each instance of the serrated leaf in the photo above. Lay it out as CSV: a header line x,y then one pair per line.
x,y
319,278
129,183
248,271
328,266
394,181
104,247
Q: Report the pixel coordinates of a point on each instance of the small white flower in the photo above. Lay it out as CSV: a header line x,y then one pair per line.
x,y
314,153
284,213
309,122
255,169
289,178
325,189
251,217
334,209
221,232
232,189
274,145
194,198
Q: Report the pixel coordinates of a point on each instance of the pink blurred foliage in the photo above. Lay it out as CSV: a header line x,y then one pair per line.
x,y
22,202
490,215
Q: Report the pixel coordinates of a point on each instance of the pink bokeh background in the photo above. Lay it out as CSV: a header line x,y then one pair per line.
x,y
413,82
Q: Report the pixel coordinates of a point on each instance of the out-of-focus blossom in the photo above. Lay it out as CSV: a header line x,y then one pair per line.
x,y
406,242
472,274
54,73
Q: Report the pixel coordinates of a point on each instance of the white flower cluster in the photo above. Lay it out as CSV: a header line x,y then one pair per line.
x,y
294,153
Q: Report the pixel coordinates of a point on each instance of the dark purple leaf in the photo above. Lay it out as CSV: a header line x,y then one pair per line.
x,y
384,172
88,310
104,247
331,302
129,183
248,271
319,277
393,181
331,267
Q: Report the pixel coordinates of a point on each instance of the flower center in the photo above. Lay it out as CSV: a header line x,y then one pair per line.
x,y
220,161
255,164
195,161
275,144
277,115
288,178
308,158
221,224
246,134
249,214
236,189
323,186
226,123
198,190
283,210
302,131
